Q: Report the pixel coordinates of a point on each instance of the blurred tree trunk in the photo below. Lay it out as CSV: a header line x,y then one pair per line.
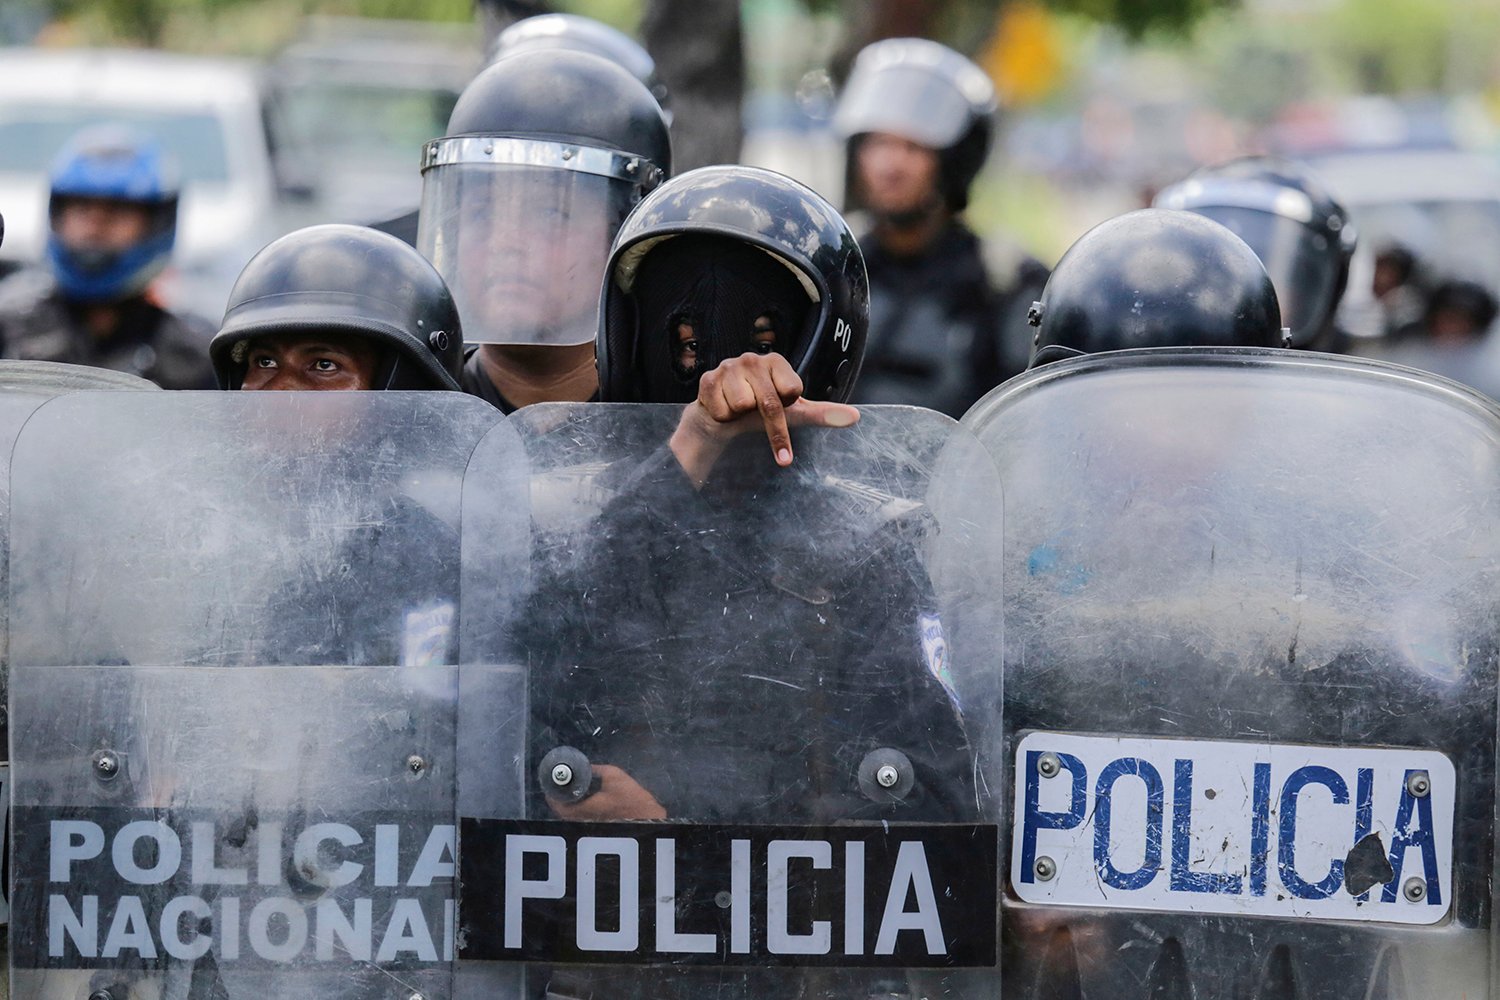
x,y
699,51
867,21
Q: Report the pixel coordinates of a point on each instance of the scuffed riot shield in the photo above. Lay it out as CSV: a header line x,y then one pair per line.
x,y
758,714
234,648
24,386
1250,678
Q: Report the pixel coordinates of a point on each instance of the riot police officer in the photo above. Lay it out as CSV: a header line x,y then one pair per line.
x,y
741,294
113,222
947,312
1295,225
338,307
1155,278
547,151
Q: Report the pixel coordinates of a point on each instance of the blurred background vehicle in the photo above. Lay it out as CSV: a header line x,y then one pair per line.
x,y
206,112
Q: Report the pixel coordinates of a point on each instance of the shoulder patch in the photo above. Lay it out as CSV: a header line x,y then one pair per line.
x,y
935,654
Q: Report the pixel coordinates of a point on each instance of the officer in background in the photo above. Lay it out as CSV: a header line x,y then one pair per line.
x,y
547,151
947,310
113,221
338,307
1297,227
1155,278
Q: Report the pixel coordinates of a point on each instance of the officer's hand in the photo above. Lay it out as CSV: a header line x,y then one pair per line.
x,y
619,797
743,394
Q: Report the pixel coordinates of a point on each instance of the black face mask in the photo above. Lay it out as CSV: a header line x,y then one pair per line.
x,y
703,299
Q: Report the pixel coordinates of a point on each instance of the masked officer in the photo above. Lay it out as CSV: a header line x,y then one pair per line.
x,y
1155,278
1294,224
947,311
714,285
699,686
338,307
547,151
113,221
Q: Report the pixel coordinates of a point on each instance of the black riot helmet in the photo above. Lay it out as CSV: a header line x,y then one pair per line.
x,y
926,93
351,280
1155,278
584,34
1300,231
719,249
547,151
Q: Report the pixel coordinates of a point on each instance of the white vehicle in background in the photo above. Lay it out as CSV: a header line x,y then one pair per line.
x,y
208,112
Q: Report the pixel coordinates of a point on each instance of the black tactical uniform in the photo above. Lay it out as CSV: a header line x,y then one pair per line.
x,y
38,324
947,326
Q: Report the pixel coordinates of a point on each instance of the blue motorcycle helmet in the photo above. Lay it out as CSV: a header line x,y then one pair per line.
x,y
113,163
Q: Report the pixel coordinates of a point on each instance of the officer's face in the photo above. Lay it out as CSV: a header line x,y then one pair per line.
x,y
532,255
310,361
100,224
895,174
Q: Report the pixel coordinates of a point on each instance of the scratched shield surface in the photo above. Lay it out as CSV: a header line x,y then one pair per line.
x,y
234,653
1250,677
761,712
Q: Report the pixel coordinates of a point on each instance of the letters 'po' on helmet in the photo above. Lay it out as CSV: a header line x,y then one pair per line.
x,y
759,208
584,34
546,153
928,94
1286,214
1155,278
120,164
349,280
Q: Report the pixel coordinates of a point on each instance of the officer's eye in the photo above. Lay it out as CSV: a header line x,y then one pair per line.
x,y
763,334
262,361
326,365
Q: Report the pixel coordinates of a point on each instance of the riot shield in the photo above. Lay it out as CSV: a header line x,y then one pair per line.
x,y
1250,677
758,714
25,385
234,645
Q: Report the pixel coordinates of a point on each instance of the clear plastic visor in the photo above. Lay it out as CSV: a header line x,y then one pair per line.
x,y
910,101
1302,265
522,247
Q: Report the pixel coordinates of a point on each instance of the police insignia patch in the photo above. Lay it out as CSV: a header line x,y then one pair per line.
x,y
935,654
426,635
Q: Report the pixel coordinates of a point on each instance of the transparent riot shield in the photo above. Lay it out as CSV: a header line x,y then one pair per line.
x,y
758,715
233,650
1250,677
24,386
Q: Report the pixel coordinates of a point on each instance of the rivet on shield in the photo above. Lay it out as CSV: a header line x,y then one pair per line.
x,y
1048,766
562,775
489,148
416,996
415,764
887,776
1415,890
567,152
106,766
1419,784
1045,869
